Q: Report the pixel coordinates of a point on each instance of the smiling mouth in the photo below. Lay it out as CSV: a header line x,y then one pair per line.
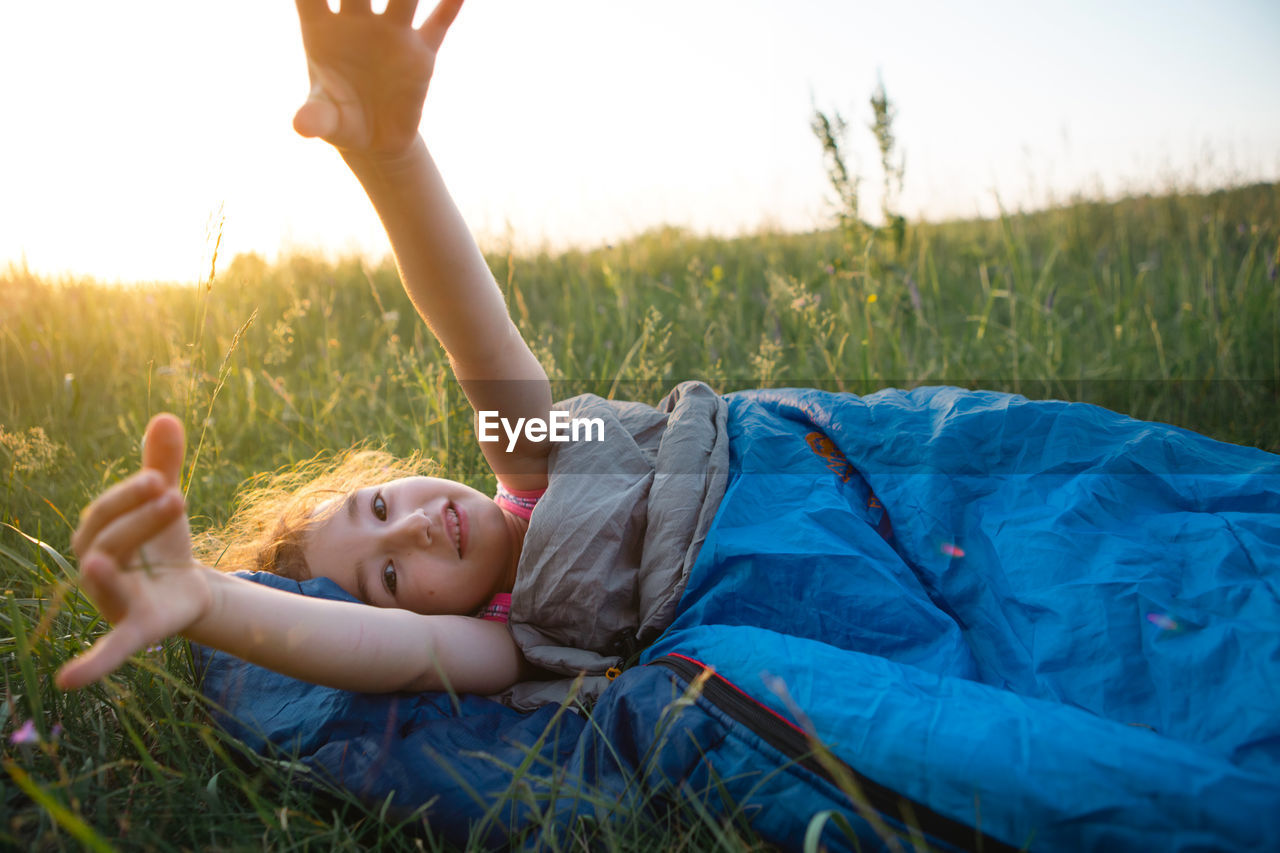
x,y
455,527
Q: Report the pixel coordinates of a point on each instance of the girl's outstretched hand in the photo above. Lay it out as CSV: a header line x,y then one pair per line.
x,y
134,546
369,73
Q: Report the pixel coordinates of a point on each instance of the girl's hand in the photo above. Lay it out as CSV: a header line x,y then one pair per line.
x,y
140,520
369,73
134,546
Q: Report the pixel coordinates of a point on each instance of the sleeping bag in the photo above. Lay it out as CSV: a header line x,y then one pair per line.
x,y
966,618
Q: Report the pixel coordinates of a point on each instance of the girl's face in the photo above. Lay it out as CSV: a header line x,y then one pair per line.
x,y
421,544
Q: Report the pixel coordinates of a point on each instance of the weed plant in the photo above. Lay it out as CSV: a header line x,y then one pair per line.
x,y
1164,307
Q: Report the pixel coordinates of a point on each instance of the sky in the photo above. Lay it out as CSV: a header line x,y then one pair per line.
x,y
134,132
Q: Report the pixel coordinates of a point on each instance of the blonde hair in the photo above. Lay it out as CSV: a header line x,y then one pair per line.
x,y
275,510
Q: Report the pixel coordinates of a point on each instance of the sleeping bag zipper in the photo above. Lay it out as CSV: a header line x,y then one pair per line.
x,y
790,740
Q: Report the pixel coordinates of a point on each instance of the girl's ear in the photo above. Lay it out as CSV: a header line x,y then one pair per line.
x,y
163,448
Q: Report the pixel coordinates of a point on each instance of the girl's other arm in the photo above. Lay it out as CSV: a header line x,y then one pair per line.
x,y
335,643
369,76
136,564
354,646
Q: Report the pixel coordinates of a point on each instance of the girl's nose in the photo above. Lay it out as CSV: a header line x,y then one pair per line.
x,y
415,530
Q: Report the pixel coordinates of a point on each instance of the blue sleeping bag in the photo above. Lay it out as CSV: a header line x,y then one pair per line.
x,y
1011,624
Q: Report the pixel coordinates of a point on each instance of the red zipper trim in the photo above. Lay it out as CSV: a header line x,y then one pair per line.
x,y
741,692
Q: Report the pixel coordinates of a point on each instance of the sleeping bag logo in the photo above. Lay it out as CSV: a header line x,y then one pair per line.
x,y
836,461
844,470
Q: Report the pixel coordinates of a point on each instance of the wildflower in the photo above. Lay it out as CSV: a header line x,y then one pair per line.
x,y
31,452
914,292
804,301
871,298
26,733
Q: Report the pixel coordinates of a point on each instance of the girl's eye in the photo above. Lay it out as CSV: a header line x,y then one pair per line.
x,y
389,578
379,507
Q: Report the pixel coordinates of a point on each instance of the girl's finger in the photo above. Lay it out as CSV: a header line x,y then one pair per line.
x,y
401,11
127,532
102,580
115,501
312,8
437,24
318,116
105,657
162,447
355,7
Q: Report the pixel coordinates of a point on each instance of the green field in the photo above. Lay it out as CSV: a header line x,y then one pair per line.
x,y
1166,308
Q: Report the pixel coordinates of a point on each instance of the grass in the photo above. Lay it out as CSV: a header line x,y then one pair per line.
x,y
1166,308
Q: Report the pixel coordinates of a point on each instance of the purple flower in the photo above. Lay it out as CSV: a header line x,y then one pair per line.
x,y
916,302
25,733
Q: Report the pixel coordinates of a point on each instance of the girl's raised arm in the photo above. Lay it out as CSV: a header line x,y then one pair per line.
x,y
369,78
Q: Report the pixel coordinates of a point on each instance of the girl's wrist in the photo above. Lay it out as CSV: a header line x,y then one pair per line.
x,y
210,587
365,163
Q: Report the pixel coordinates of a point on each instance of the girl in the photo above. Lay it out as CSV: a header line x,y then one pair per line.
x,y
426,552
1070,620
